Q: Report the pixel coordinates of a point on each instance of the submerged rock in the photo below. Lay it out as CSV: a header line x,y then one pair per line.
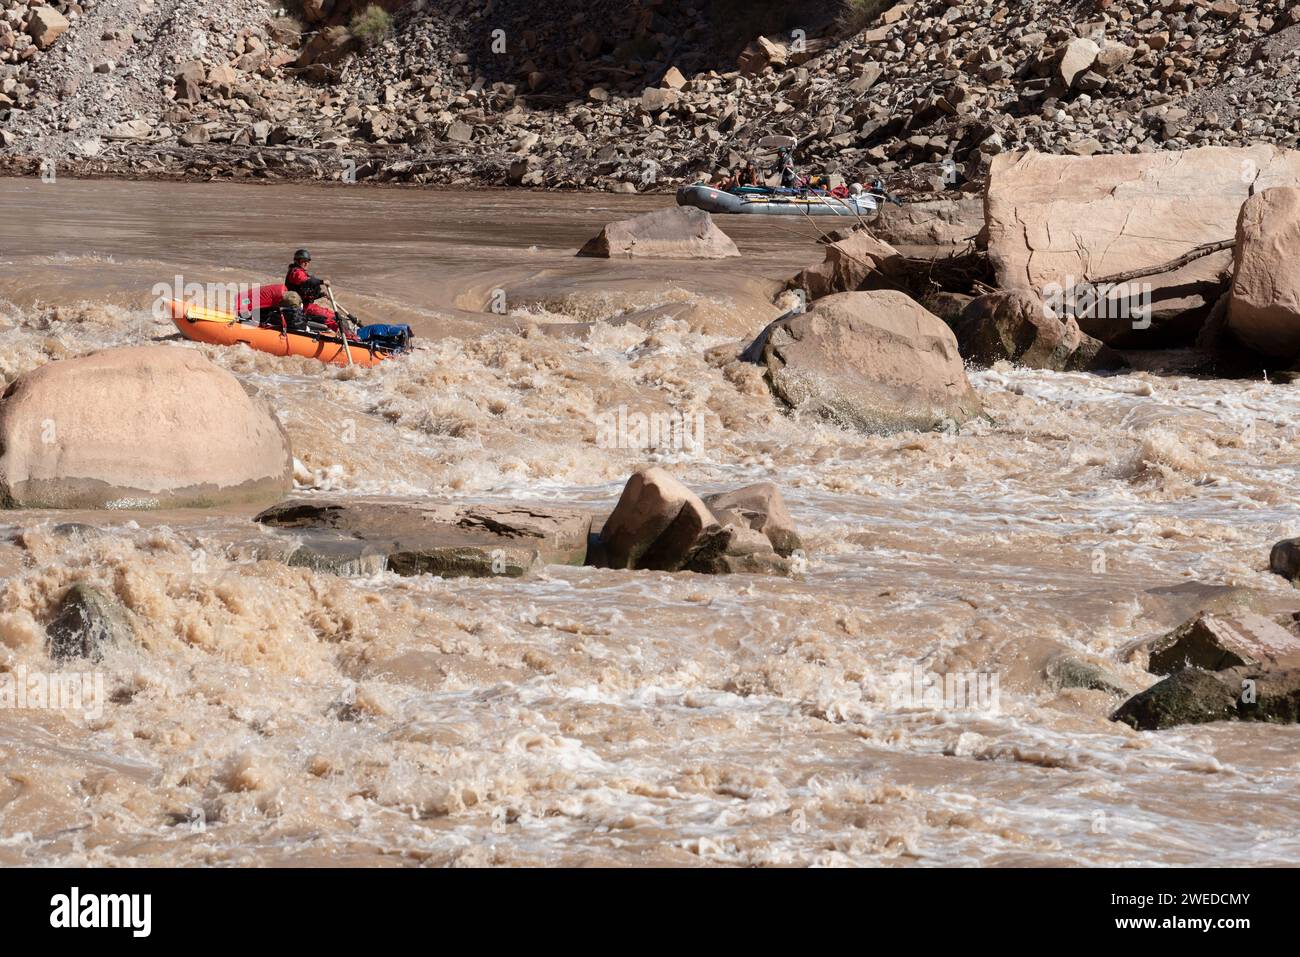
x,y
437,539
678,232
874,361
87,620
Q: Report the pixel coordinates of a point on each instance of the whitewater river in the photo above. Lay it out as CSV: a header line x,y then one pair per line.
x,y
272,715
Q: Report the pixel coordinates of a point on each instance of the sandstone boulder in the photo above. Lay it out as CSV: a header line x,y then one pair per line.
x,y
1217,642
761,54
656,524
678,232
1015,325
853,263
362,537
1064,220
1075,59
140,427
45,26
875,361
761,508
1264,305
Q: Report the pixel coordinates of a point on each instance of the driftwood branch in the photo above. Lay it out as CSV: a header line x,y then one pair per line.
x,y
1180,262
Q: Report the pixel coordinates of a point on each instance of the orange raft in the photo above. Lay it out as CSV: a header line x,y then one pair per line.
x,y
223,329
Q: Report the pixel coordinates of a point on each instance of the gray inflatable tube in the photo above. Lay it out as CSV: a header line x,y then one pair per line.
x,y
762,204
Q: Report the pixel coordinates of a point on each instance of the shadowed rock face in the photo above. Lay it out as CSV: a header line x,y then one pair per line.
x,y
1264,305
439,539
874,361
138,427
679,232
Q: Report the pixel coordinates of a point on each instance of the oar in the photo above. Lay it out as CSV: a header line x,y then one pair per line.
x,y
341,320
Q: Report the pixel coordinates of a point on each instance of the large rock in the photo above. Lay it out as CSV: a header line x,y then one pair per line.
x,y
138,427
656,524
1015,325
46,26
1264,305
1284,559
875,361
1195,696
430,538
678,232
853,263
1061,220
761,54
1075,59
1217,642
759,507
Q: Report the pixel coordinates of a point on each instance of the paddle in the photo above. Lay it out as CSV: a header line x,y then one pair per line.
x,y
342,321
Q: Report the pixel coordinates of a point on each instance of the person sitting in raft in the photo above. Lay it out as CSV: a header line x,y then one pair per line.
x,y
288,315
311,289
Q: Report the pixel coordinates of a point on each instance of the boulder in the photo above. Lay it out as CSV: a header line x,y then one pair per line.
x,y
1062,220
734,549
361,537
1217,642
656,524
875,361
189,79
87,620
761,508
1075,59
45,26
327,47
655,100
138,427
1015,325
1190,696
1264,304
678,232
1284,559
761,54
1194,696
853,263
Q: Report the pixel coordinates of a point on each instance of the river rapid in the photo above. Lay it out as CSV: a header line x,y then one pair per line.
x,y
275,715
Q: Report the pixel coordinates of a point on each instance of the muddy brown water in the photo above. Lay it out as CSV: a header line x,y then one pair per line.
x,y
270,715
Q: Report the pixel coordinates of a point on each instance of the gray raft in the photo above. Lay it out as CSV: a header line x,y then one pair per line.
x,y
775,204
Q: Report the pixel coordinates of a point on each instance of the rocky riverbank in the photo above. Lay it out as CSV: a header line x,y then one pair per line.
x,y
631,97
